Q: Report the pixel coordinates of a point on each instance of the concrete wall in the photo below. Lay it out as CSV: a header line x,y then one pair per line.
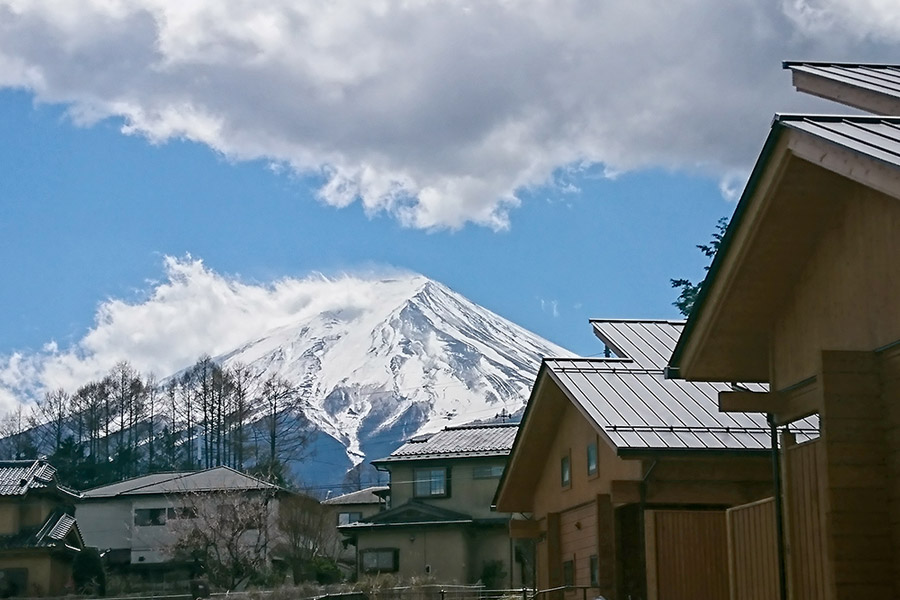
x,y
105,523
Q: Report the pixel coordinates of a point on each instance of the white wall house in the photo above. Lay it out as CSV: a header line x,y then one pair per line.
x,y
138,520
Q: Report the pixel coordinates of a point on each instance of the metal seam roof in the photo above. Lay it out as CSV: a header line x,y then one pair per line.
x,y
637,408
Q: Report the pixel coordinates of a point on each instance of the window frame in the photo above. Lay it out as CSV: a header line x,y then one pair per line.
x,y
596,448
350,518
395,560
565,471
148,514
568,572
488,471
419,478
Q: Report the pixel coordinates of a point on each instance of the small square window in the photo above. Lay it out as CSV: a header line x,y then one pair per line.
x,y
431,483
595,570
592,458
565,471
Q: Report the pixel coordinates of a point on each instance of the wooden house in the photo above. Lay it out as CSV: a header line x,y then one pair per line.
x,y
39,538
441,524
804,294
627,475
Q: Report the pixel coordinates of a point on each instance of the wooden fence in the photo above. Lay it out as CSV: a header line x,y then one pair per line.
x,y
753,551
805,547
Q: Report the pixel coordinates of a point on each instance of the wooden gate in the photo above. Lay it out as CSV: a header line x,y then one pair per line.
x,y
753,551
687,556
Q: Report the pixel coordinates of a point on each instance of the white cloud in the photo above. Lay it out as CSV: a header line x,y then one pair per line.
x,y
438,112
194,311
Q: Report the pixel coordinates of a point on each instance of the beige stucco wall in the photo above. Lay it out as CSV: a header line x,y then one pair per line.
x,y
444,549
47,575
467,494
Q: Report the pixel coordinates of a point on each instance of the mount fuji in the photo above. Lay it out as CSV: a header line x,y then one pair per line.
x,y
414,358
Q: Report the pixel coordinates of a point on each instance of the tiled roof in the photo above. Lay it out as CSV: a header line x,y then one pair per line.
x,y
215,479
494,439
51,533
637,408
18,477
369,495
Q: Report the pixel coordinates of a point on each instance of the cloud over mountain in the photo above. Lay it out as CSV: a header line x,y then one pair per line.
x,y
438,113
193,311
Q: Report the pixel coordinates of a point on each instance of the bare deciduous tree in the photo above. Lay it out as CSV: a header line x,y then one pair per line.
x,y
228,533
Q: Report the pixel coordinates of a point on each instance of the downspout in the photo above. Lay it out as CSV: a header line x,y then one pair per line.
x,y
779,508
642,521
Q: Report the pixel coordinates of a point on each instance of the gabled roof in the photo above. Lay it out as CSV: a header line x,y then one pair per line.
x,y
369,495
464,441
59,530
874,88
638,409
18,477
645,343
809,165
413,512
632,406
210,480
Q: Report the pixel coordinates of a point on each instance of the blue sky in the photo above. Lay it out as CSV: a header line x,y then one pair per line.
x,y
552,163
89,213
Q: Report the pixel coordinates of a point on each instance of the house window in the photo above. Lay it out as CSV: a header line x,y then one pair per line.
x,y
565,471
431,483
487,472
380,560
569,572
148,517
592,458
345,518
595,570
181,512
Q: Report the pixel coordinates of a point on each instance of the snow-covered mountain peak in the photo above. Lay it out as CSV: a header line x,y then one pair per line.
x,y
407,356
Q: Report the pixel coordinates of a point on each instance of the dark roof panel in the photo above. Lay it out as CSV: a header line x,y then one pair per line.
x,y
495,439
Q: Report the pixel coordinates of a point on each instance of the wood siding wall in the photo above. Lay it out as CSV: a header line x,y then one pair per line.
x,y
753,551
578,539
686,555
857,515
890,393
805,544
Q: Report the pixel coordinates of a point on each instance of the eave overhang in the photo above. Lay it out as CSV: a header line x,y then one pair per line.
x,y
874,88
795,190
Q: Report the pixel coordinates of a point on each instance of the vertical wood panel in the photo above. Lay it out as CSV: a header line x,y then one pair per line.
x,y
805,543
753,551
691,555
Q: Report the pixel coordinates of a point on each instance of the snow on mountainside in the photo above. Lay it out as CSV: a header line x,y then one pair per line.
x,y
416,358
